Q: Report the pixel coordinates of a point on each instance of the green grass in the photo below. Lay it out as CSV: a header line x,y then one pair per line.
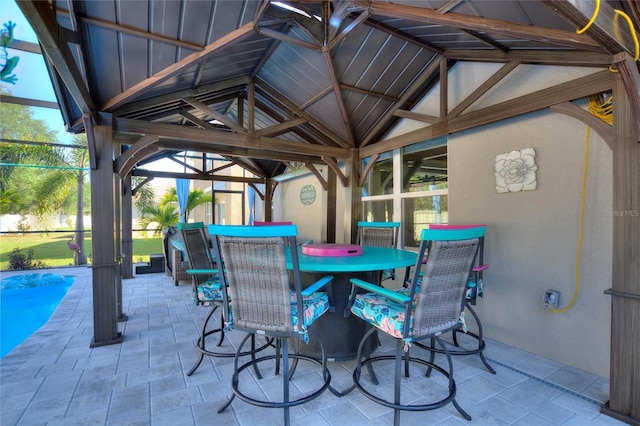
x,y
51,249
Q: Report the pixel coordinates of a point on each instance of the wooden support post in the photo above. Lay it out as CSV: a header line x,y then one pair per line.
x,y
353,196
268,199
104,266
624,385
127,228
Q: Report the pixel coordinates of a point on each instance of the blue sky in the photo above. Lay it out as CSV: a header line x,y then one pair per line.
x,y
33,78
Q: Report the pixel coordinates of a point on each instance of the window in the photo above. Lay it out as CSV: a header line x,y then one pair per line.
x,y
380,179
409,185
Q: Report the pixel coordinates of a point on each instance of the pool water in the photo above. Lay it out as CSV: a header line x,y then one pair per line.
x,y
26,304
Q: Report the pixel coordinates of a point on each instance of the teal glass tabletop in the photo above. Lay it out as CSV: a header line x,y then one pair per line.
x,y
371,259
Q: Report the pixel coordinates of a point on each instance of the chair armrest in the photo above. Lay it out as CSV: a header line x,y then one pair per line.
x,y
480,268
202,271
374,288
322,282
317,285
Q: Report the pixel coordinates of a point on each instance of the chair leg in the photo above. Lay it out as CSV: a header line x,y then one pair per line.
x,y
201,341
285,380
400,355
452,383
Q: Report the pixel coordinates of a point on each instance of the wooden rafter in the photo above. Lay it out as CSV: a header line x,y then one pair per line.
x,y
483,88
416,116
51,37
540,57
216,137
176,97
172,70
286,104
335,83
418,83
575,89
202,107
486,25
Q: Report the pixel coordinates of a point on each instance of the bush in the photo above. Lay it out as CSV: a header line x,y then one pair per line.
x,y
18,261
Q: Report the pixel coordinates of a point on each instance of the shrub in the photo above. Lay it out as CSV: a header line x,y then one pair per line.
x,y
18,261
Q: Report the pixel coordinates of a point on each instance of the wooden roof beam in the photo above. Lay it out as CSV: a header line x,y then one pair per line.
x,y
486,25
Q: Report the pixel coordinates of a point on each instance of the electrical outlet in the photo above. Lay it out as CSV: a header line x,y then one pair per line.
x,y
551,298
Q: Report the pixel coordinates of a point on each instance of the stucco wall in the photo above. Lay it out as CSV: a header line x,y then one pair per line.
x,y
287,206
532,236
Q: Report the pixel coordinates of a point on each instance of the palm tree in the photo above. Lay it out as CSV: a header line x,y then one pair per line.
x,y
195,198
162,216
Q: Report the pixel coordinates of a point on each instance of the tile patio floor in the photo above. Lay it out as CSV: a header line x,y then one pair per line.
x,y
55,378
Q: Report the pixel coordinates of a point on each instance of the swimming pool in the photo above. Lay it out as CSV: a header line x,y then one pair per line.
x,y
26,304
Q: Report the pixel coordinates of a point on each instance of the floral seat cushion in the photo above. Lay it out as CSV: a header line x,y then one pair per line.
x,y
380,312
389,316
314,305
209,291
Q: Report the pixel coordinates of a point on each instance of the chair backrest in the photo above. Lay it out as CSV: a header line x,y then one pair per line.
x,y
192,225
463,226
255,269
439,293
378,234
198,252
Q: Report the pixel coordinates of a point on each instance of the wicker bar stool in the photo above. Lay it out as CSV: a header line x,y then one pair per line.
x,y
433,304
260,265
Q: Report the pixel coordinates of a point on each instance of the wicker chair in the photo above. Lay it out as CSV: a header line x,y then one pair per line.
x,y
207,292
267,300
379,234
432,305
179,262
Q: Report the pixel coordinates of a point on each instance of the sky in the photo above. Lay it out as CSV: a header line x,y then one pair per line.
x,y
34,81
33,78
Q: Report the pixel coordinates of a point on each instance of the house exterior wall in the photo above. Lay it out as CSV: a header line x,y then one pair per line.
x,y
308,216
532,236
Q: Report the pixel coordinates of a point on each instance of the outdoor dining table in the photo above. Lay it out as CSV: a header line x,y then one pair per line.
x,y
341,335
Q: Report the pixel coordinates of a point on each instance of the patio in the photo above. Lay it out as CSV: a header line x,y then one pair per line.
x,y
55,378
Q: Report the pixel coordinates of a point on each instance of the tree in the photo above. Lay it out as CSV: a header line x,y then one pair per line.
x,y
64,183
36,177
162,216
20,156
195,198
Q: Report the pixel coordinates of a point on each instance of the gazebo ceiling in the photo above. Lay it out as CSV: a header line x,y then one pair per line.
x,y
269,83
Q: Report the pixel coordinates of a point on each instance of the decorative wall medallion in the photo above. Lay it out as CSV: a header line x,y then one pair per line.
x,y
516,171
307,195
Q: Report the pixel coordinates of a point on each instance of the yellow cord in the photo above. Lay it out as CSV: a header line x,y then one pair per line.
x,y
636,44
580,233
592,20
602,108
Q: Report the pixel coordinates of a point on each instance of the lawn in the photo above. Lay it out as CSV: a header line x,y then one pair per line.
x,y
51,248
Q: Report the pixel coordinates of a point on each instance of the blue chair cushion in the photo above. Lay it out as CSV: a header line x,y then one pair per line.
x,y
179,245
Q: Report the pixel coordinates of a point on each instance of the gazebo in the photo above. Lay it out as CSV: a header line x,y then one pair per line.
x,y
324,83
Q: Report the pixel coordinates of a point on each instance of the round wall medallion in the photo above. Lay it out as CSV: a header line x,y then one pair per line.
x,y
307,195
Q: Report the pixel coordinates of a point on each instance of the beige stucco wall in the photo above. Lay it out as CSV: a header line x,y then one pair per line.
x,y
288,207
532,236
